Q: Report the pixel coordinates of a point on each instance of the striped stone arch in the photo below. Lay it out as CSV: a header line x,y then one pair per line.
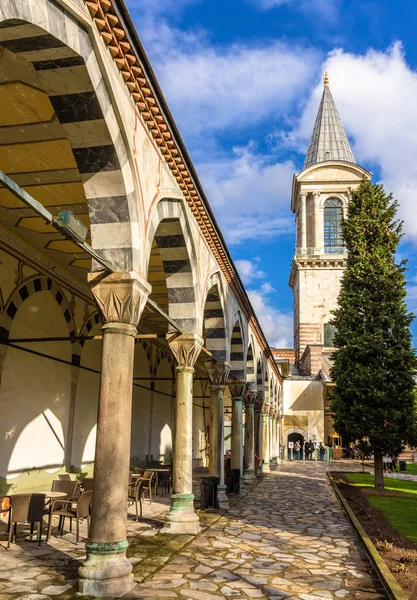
x,y
59,60
162,355
214,329
15,301
169,228
237,346
250,365
28,288
260,378
92,320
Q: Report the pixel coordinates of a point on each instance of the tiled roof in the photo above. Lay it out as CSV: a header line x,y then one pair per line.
x,y
329,140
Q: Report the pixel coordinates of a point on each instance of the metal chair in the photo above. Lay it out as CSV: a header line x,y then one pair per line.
x,y
134,495
64,477
26,508
77,510
88,484
147,480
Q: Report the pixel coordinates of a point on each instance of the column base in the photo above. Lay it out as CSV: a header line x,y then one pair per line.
x,y
260,473
182,517
249,477
266,468
106,571
222,497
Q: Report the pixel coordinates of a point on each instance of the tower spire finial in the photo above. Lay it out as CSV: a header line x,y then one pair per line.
x,y
326,78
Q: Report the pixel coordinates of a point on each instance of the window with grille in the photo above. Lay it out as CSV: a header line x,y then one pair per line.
x,y
333,216
329,333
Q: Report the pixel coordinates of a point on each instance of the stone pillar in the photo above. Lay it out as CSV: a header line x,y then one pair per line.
x,y
75,372
218,373
237,388
259,441
182,517
303,199
249,452
271,436
318,220
107,572
266,457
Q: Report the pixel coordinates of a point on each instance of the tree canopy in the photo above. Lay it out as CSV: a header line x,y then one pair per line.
x,y
374,366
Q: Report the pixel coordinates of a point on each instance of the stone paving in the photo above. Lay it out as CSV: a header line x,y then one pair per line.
x,y
287,538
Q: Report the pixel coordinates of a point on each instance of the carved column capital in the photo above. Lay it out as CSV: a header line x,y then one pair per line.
x,y
276,415
316,195
259,402
218,372
250,394
265,409
185,348
237,387
121,297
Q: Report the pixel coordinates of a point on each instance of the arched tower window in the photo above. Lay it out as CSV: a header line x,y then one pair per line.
x,y
329,333
333,215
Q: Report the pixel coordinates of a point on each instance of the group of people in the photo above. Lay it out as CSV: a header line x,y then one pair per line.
x,y
309,448
389,463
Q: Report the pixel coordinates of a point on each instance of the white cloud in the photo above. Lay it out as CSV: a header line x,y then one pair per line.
x,y
248,271
276,325
376,97
327,9
250,194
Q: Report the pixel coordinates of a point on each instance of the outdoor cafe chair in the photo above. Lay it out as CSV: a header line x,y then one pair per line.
x,y
26,508
64,477
134,495
147,480
5,503
78,509
138,471
88,484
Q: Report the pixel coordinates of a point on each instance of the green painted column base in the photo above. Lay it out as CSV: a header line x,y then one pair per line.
x,y
266,467
182,517
106,571
222,497
249,476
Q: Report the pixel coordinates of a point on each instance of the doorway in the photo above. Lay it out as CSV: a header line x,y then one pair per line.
x,y
294,438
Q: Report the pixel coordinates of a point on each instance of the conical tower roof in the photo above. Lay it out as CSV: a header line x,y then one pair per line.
x,y
329,140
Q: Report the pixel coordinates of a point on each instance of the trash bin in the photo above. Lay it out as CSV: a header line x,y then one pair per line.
x,y
403,465
233,481
208,492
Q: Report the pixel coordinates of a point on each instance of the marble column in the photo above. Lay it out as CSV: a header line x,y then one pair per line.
x,y
259,442
182,517
265,440
249,451
237,388
318,220
303,200
121,298
218,372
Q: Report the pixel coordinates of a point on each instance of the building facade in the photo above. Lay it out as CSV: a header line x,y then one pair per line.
x,y
320,197
124,326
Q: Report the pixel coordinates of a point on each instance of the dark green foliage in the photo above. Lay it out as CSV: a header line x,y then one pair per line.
x,y
374,366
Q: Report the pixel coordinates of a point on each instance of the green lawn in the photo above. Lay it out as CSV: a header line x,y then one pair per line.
x,y
398,485
412,468
401,513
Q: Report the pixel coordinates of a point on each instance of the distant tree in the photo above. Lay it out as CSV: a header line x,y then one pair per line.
x,y
374,365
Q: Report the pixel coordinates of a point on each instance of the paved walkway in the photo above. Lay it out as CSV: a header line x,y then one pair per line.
x,y
288,538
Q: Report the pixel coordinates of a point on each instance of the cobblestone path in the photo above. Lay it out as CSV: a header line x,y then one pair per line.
x,y
288,538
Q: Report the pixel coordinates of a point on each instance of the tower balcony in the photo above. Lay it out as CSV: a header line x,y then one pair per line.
x,y
328,250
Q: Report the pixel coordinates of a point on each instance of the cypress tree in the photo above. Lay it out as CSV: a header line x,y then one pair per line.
x,y
374,364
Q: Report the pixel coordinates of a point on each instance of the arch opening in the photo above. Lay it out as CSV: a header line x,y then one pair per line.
x,y
333,217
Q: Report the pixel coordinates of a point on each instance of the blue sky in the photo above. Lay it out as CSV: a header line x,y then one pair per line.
x,y
243,79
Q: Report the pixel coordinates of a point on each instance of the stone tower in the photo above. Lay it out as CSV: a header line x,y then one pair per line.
x,y
320,196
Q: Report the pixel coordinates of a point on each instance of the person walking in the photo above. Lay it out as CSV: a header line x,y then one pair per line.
x,y
306,447
322,451
297,450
